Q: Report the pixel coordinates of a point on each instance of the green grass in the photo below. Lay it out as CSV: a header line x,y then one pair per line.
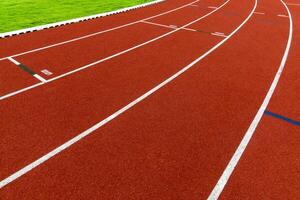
x,y
19,14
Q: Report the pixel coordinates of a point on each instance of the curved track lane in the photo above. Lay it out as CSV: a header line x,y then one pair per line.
x,y
175,140
180,37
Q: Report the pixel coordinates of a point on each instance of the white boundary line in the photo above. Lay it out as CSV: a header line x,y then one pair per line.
x,y
35,75
20,91
167,26
40,78
96,33
37,28
156,24
248,135
82,135
13,61
120,53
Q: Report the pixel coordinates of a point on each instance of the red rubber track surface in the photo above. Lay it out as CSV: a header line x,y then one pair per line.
x,y
270,168
13,78
174,144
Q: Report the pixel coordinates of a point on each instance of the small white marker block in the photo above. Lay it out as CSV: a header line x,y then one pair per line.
x,y
46,72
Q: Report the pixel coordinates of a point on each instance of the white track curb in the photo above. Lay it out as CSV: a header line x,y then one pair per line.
x,y
37,28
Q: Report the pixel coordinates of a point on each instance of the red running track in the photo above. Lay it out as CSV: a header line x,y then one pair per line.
x,y
173,142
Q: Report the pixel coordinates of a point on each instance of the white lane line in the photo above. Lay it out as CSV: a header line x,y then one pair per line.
x,y
156,24
140,45
219,34
131,49
46,72
259,13
20,91
168,26
97,33
13,61
248,135
189,29
283,16
34,75
87,132
40,78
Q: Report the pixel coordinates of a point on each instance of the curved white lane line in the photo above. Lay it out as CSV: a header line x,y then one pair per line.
x,y
87,132
117,54
248,135
96,33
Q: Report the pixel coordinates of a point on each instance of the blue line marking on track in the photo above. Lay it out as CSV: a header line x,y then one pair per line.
x,y
282,118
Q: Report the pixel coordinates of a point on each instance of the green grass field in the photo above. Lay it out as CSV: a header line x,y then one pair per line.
x,y
19,14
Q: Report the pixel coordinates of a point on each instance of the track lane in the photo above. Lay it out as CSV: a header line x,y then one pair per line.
x,y
211,25
48,108
187,14
117,54
51,37
269,169
274,149
70,56
13,78
150,63
286,97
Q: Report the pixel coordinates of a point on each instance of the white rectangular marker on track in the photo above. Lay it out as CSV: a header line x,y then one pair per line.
x,y
219,34
283,16
189,29
259,13
46,72
212,7
173,26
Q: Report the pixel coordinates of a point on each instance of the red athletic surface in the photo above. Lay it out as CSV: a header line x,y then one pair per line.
x,y
13,78
176,143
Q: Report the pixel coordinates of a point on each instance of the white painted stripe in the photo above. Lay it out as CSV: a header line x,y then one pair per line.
x,y
97,33
35,75
282,16
2,35
156,24
168,26
20,91
40,78
219,34
259,13
13,61
135,47
189,29
248,135
138,46
46,72
82,135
